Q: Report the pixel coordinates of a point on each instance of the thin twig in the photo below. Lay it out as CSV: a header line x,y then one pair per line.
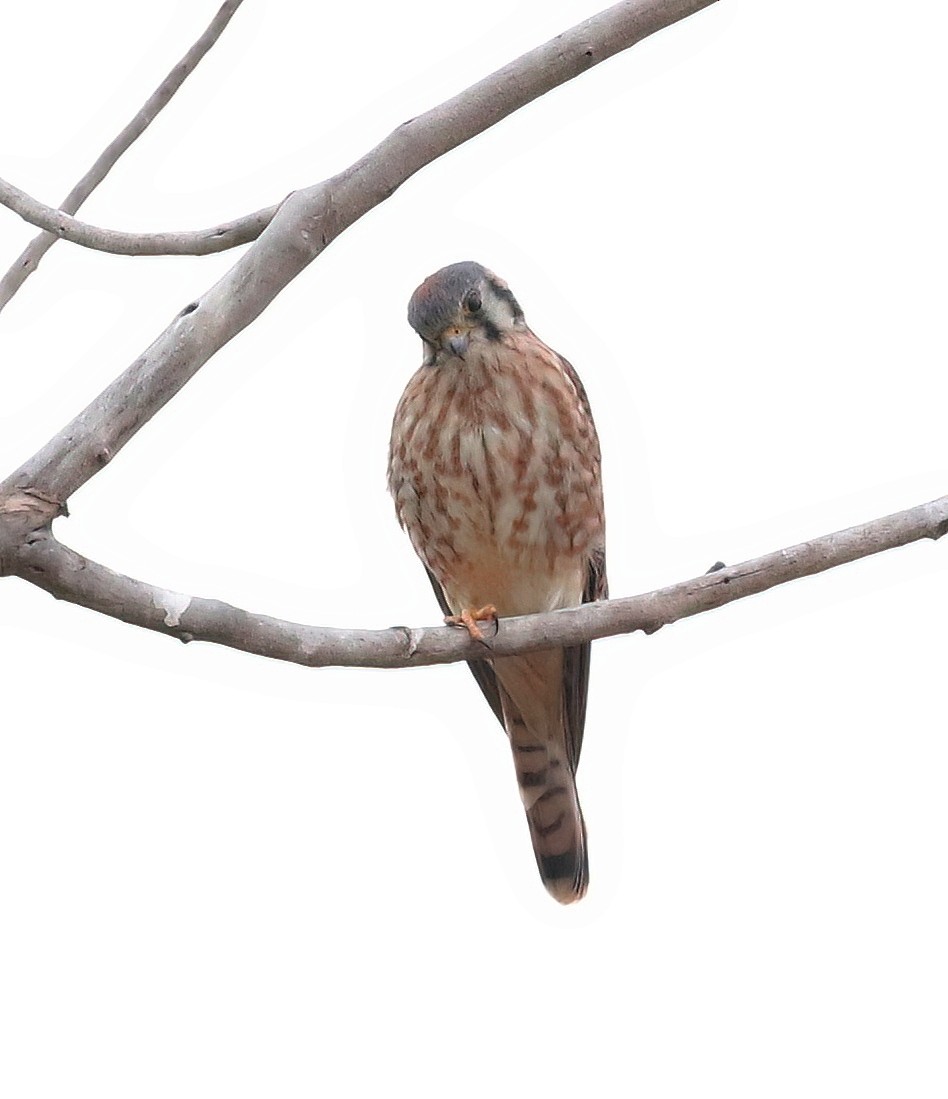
x,y
28,261
67,575
59,225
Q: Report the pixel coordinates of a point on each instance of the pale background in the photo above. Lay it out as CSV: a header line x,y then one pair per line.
x,y
226,876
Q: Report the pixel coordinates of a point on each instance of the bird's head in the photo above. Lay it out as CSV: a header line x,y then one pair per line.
x,y
461,303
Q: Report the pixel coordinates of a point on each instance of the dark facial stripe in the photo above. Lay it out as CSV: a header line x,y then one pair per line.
x,y
505,293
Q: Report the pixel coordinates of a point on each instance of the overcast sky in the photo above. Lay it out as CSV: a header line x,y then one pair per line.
x,y
223,875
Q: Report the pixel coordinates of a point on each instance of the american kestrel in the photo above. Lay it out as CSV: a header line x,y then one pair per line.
x,y
495,470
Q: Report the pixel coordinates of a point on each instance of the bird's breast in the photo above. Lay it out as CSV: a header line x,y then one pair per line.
x,y
494,469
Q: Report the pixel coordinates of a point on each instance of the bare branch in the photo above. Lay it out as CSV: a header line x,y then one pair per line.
x,y
308,221
50,565
29,259
198,242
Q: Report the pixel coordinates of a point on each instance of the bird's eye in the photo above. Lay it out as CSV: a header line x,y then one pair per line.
x,y
472,302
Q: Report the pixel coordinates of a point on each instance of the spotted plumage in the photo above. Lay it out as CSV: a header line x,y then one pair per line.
x,y
494,467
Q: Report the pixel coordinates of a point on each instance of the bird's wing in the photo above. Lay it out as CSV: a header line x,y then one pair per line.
x,y
576,661
480,669
570,371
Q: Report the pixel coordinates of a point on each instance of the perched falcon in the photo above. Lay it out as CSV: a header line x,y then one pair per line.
x,y
495,470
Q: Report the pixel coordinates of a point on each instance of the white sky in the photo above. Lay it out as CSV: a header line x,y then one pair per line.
x,y
223,875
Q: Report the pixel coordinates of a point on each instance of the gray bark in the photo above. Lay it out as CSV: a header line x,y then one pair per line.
x,y
305,224
53,221
67,575
58,225
300,229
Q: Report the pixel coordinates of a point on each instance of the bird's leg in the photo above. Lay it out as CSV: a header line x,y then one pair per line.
x,y
469,619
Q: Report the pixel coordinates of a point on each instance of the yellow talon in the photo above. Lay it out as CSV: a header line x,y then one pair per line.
x,y
469,619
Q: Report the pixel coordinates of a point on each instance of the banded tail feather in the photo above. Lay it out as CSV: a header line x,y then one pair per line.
x,y
557,829
546,776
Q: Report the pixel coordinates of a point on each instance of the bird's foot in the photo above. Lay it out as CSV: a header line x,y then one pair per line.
x,y
469,619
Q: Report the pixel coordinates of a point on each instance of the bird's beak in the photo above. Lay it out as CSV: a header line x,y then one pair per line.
x,y
458,343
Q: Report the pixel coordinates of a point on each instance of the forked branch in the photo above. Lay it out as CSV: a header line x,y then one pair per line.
x,y
303,226
53,220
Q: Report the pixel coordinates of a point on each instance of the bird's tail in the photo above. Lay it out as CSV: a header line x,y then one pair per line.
x,y
547,782
556,823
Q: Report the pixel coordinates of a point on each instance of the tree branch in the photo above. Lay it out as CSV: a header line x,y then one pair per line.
x,y
65,574
29,259
305,224
197,242
301,228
